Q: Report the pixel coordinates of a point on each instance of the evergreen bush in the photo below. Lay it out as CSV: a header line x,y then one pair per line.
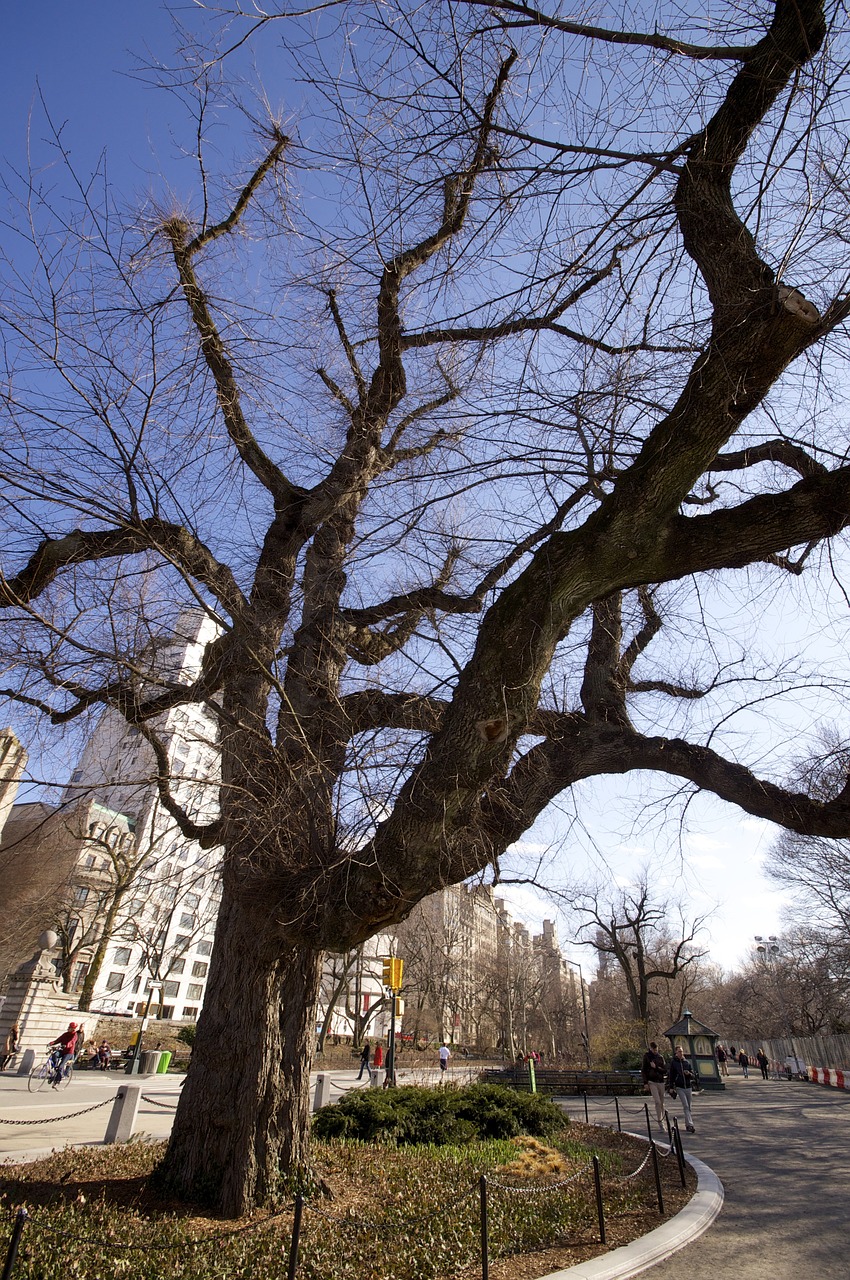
x,y
440,1117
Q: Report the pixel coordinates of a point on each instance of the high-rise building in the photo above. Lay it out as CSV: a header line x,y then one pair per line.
x,y
164,927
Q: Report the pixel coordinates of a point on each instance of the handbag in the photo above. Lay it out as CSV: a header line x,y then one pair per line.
x,y
671,1092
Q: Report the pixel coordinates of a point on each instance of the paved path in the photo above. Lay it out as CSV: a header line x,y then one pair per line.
x,y
781,1152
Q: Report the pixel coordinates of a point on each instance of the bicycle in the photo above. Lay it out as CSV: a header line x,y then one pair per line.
x,y
47,1072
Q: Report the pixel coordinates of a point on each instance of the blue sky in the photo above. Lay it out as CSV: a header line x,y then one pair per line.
x,y
83,59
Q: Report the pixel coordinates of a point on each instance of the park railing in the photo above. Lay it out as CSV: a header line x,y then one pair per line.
x,y
493,1217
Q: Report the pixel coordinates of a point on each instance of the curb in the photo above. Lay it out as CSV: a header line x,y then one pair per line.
x,y
629,1260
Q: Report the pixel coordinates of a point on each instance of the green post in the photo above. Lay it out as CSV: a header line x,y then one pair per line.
x,y
532,1078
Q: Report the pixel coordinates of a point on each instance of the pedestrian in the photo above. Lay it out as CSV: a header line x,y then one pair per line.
x,y
721,1060
653,1072
364,1059
445,1054
680,1083
378,1056
104,1053
764,1062
744,1064
12,1040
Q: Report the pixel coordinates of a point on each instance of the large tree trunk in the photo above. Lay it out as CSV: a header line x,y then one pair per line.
x,y
242,1126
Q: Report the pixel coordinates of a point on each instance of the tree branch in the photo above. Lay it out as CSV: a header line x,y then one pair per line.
x,y
173,541
649,40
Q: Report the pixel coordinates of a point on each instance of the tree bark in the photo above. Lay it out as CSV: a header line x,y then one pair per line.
x,y
241,1132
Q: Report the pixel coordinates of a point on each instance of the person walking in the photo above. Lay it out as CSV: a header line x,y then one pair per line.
x,y
764,1062
364,1060
378,1056
681,1077
445,1054
653,1071
721,1060
744,1064
12,1039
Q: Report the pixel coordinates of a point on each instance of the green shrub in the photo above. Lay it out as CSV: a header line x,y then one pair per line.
x,y
186,1034
439,1117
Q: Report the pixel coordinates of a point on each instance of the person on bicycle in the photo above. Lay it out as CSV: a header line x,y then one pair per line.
x,y
67,1043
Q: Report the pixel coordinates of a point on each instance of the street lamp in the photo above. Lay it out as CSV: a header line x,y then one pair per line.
x,y
770,950
576,964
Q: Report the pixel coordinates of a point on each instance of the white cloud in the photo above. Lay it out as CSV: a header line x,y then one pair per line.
x,y
707,860
696,840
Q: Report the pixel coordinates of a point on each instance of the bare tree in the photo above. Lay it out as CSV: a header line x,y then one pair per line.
x,y
651,942
434,394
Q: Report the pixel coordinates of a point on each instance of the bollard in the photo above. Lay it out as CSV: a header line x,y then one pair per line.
x,y
296,1233
617,1109
122,1117
600,1212
377,1076
27,1062
485,1250
586,1116
648,1121
12,1252
322,1095
657,1172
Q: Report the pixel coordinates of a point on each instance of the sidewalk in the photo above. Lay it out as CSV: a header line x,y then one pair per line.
x,y
44,1129
780,1150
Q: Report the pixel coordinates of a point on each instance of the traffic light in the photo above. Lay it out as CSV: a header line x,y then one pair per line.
x,y
393,967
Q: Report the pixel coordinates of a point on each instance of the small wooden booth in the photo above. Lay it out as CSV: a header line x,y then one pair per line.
x,y
699,1043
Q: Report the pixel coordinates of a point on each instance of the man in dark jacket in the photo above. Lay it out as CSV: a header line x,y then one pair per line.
x,y
653,1073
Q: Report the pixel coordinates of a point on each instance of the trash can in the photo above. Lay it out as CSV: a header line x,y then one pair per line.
x,y
149,1062
164,1060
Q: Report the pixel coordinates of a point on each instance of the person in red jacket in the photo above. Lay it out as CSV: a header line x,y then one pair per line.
x,y
67,1042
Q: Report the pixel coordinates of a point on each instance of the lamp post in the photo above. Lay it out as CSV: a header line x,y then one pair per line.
x,y
576,965
133,1068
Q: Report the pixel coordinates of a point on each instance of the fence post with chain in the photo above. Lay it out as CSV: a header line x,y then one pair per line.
x,y
600,1212
12,1252
657,1172
296,1234
485,1247
122,1118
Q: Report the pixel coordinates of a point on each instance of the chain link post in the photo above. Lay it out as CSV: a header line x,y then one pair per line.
x,y
485,1247
617,1109
648,1122
12,1252
600,1212
296,1235
657,1172
586,1116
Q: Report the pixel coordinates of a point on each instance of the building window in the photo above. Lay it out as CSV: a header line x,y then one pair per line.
x,y
81,968
167,1011
122,956
199,969
115,982
137,982
191,900
194,991
80,893
181,940
186,921
190,1013
171,988
177,966
205,948
89,862
169,893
